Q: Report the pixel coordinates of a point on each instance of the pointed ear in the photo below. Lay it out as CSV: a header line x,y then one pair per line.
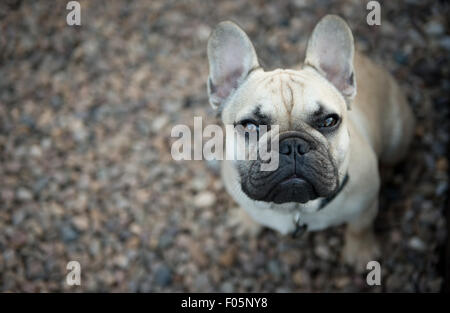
x,y
330,50
231,57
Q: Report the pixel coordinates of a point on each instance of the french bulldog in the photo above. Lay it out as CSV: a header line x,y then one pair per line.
x,y
338,115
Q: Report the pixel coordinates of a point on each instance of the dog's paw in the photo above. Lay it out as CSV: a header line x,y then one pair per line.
x,y
359,249
243,223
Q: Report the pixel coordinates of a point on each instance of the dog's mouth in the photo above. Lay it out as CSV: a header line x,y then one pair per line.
x,y
292,189
293,178
285,186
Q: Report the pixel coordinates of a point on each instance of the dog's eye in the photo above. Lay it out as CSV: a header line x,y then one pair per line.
x,y
329,121
250,126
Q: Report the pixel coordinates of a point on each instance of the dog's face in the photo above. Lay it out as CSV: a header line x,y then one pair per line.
x,y
309,106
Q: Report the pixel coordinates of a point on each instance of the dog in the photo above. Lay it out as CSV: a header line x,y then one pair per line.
x,y
338,115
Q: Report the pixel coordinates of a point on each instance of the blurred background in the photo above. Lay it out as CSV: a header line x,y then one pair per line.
x,y
86,172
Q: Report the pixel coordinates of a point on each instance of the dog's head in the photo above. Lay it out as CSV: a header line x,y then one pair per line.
x,y
309,106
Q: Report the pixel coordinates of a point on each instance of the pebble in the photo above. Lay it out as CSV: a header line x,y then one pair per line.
x,y
228,256
342,282
322,252
18,217
203,32
202,282
416,244
81,222
24,194
297,277
205,199
434,28
159,122
445,42
199,183
227,287
35,151
121,261
165,241
163,276
274,268
68,234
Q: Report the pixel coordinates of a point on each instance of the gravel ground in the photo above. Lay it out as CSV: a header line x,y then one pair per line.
x,y
86,172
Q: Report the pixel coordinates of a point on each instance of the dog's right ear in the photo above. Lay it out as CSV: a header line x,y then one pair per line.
x,y
231,57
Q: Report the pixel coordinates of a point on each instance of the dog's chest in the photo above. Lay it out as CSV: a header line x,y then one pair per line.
x,y
285,220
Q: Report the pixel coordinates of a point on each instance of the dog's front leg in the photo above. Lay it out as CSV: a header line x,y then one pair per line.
x,y
360,243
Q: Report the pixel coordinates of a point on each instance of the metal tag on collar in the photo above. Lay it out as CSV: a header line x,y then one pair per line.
x,y
299,228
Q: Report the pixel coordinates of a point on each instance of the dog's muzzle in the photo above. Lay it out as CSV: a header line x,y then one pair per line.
x,y
306,171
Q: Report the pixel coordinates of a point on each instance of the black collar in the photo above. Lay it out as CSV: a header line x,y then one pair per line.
x,y
300,229
325,201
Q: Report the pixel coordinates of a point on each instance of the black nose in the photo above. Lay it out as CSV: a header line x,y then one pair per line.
x,y
292,146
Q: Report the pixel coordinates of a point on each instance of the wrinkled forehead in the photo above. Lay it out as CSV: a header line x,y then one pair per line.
x,y
282,93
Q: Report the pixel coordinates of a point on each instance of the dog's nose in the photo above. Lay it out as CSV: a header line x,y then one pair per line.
x,y
294,146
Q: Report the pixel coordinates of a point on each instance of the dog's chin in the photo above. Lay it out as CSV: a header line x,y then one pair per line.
x,y
292,190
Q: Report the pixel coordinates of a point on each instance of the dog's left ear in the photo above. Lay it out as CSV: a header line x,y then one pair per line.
x,y
231,57
330,50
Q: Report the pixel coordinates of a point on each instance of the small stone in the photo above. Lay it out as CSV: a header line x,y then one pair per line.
x,y
68,234
163,276
143,196
322,252
445,42
394,282
165,240
9,257
274,268
18,217
214,166
202,282
159,122
199,183
416,244
78,130
7,195
342,282
35,270
18,239
205,199
441,188
228,257
94,247
121,261
300,3
297,277
40,184
434,28
81,222
442,164
135,229
400,57
203,32
35,151
197,254
396,236
227,287
435,285
24,194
